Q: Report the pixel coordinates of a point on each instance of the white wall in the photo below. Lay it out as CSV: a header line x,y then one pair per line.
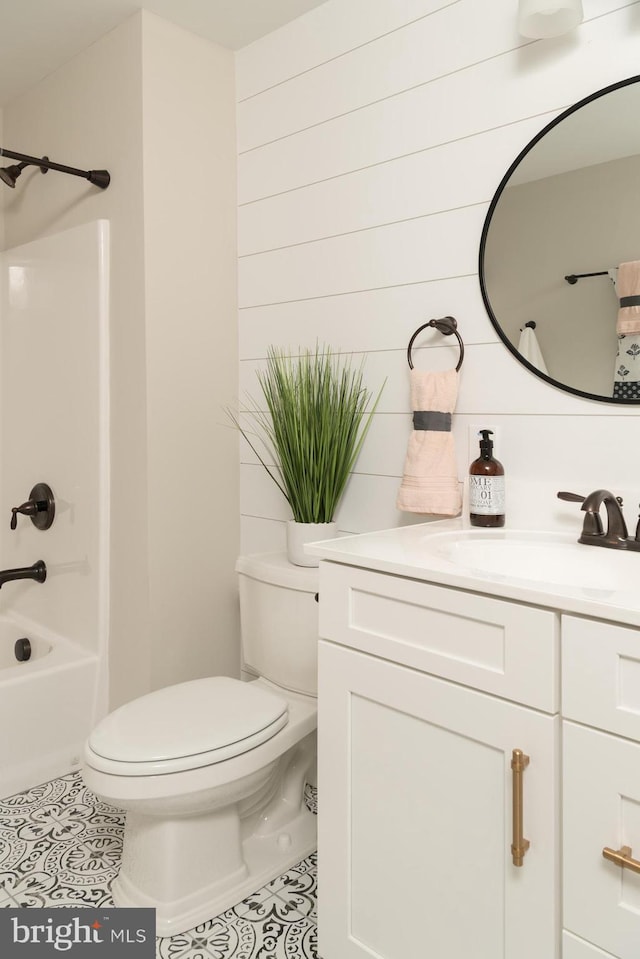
x,y
165,288
192,352
372,135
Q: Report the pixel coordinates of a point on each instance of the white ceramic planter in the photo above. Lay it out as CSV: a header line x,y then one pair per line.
x,y
300,533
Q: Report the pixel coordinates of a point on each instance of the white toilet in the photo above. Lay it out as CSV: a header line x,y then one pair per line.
x,y
212,772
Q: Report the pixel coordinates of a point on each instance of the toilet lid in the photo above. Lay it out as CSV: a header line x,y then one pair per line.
x,y
189,720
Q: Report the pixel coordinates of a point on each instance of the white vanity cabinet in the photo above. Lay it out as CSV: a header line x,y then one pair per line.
x,y
424,694
431,672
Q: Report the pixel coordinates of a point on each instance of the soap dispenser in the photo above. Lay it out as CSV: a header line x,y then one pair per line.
x,y
486,486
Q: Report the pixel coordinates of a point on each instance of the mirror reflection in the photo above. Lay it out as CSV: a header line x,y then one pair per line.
x,y
560,249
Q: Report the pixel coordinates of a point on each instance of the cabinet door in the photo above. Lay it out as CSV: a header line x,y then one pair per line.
x,y
601,675
415,818
601,794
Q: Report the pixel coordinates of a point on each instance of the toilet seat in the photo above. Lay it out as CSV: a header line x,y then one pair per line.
x,y
186,726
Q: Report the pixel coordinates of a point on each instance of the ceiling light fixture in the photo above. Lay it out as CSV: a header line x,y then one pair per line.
x,y
540,19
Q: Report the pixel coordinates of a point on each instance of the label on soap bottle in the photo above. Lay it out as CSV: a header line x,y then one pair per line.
x,y
486,495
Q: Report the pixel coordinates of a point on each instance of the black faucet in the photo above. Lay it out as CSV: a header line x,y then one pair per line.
x,y
38,572
616,535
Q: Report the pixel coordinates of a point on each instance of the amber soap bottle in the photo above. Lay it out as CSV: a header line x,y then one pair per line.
x,y
486,486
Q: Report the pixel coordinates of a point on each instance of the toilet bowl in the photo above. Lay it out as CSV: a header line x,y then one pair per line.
x,y
211,772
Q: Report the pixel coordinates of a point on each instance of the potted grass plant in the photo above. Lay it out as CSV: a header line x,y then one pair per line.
x,y
312,424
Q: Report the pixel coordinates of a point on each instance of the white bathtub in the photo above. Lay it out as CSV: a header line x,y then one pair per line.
x,y
46,706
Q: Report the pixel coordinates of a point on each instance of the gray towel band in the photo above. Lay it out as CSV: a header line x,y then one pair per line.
x,y
629,301
428,420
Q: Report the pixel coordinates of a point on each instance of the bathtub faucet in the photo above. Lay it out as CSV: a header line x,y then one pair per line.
x,y
38,572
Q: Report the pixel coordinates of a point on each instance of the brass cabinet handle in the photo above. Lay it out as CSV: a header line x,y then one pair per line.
x,y
621,857
519,846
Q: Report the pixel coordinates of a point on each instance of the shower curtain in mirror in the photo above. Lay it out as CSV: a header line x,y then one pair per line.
x,y
626,379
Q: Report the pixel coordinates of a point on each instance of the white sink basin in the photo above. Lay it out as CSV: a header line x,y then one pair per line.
x,y
538,557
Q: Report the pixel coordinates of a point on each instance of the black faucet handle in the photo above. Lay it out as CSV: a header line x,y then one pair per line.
x,y
592,523
572,497
30,508
40,507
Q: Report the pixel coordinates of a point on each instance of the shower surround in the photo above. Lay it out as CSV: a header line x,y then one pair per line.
x,y
54,428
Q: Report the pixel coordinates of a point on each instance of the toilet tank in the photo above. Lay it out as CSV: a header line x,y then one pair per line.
x,y
279,620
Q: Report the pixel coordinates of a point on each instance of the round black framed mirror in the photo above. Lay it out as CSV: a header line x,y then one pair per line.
x,y
564,217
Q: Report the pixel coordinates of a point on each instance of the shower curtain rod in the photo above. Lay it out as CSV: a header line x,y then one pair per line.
x,y
99,178
574,277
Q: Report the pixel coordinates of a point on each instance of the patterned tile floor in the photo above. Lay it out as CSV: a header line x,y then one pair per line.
x,y
61,846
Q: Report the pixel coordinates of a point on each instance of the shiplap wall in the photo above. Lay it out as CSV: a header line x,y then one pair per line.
x,y
372,135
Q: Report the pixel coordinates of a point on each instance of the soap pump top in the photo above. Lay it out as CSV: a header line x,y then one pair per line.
x,y
486,445
486,486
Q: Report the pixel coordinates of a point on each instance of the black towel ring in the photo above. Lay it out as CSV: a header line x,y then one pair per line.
x,y
446,325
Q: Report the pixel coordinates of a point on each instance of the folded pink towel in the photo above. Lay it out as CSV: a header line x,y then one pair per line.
x,y
430,480
628,290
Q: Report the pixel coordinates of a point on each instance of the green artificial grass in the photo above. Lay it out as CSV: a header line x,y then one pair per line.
x,y
317,417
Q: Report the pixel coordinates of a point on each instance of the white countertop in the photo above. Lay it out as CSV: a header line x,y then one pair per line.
x,y
417,552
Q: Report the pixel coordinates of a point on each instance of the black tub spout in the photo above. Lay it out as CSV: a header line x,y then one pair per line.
x,y
38,572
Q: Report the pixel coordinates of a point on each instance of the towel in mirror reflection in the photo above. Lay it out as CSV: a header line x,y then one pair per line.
x,y
529,349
